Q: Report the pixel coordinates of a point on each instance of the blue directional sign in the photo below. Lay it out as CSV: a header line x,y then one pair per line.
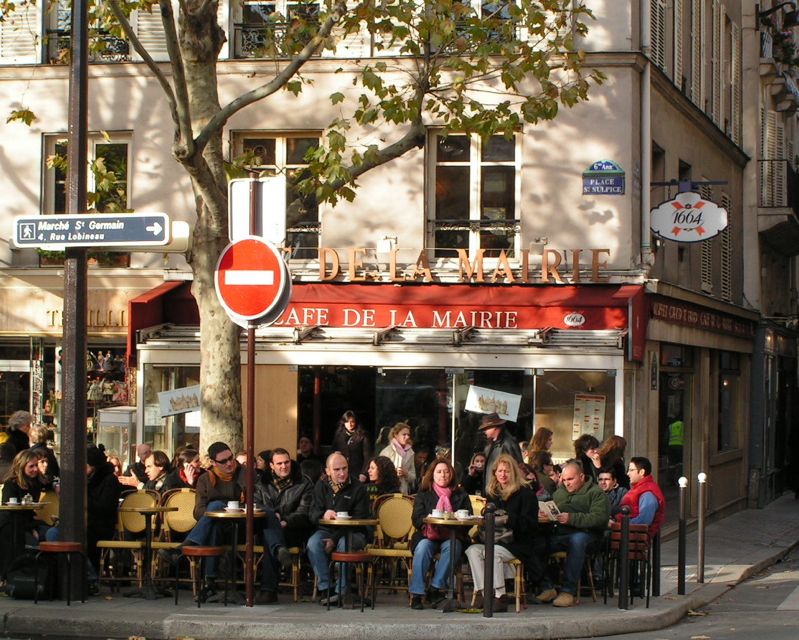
x,y
92,230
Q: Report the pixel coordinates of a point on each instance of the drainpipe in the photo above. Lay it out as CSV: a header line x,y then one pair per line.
x,y
647,257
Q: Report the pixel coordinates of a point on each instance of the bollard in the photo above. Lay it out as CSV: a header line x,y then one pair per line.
x,y
700,551
683,482
488,583
656,565
624,564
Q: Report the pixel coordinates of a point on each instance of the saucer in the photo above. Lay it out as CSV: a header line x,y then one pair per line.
x,y
234,510
343,517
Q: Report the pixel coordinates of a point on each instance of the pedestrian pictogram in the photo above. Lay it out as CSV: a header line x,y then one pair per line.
x,y
252,281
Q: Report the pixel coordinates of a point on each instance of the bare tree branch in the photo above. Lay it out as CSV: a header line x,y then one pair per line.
x,y
185,131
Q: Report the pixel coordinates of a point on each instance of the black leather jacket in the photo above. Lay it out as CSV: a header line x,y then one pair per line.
x,y
292,503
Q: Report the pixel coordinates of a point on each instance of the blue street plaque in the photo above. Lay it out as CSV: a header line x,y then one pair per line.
x,y
92,230
603,178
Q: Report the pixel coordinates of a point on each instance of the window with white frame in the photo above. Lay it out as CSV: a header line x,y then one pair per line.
x,y
475,200
264,25
283,157
108,176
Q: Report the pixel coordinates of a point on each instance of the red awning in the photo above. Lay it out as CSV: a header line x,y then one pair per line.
x,y
168,302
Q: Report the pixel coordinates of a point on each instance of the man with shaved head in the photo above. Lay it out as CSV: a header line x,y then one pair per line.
x,y
334,494
584,513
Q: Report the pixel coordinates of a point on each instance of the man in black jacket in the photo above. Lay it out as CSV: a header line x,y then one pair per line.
x,y
286,499
499,441
335,494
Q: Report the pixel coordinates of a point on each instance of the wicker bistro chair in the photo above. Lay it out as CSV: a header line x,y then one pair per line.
x,y
392,539
129,525
175,525
294,580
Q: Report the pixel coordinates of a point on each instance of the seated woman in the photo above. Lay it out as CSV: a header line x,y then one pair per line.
x,y
19,526
186,469
439,490
515,525
156,466
38,435
383,479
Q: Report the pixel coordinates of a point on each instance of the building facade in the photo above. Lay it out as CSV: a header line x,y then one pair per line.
x,y
469,274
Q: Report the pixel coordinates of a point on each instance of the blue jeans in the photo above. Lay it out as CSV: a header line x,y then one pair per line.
x,y
423,557
207,532
576,544
320,561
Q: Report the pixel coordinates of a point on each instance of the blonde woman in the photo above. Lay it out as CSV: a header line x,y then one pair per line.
x,y
400,452
516,523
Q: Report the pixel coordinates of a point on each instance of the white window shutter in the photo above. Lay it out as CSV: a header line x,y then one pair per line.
x,y
150,31
717,62
354,45
20,36
657,31
736,77
780,182
726,251
697,54
678,43
223,12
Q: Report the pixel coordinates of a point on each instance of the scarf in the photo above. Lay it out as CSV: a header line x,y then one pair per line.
x,y
402,450
444,494
336,486
216,474
282,483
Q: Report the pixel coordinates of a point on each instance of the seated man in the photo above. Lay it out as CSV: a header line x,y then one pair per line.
x,y
609,484
286,499
645,499
224,482
337,492
583,517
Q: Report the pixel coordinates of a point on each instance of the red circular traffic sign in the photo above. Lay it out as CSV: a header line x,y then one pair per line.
x,y
252,281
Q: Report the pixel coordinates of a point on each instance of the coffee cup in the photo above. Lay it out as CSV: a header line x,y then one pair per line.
x,y
13,501
462,513
233,504
437,513
342,514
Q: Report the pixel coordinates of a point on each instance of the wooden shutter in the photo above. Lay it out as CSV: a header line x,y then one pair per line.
x,y
150,31
706,255
697,53
20,36
657,32
716,64
736,77
678,43
726,251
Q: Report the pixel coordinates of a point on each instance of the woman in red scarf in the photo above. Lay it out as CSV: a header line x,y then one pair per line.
x,y
439,491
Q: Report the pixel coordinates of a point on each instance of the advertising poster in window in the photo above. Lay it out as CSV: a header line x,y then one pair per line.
x,y
589,415
483,400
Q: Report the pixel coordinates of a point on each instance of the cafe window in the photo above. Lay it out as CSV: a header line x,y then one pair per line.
x,y
283,157
169,432
475,198
728,394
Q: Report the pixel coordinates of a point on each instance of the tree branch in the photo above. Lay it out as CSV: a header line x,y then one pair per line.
x,y
414,137
185,132
148,60
277,83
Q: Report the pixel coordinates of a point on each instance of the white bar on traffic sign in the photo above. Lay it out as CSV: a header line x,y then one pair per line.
x,y
249,277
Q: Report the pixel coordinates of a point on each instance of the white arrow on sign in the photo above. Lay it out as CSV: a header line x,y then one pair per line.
x,y
154,228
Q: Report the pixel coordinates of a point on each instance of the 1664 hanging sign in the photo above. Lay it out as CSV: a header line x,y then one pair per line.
x,y
688,218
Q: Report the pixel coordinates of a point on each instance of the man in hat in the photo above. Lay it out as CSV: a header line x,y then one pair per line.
x,y
499,441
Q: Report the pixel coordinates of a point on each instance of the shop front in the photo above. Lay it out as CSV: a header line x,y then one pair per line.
x,y
435,356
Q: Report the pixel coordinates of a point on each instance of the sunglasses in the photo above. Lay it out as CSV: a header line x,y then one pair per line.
x,y
225,461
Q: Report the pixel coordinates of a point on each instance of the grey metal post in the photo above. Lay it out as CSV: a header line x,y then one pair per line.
x,y
624,563
700,551
683,482
488,583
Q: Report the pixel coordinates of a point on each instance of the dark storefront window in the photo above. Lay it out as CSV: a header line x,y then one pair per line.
x,y
729,389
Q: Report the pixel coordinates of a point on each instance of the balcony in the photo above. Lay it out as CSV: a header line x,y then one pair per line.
x,y
778,208
102,47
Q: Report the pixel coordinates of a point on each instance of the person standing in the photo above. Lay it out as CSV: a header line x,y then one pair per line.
x,y
352,441
400,452
499,440
18,429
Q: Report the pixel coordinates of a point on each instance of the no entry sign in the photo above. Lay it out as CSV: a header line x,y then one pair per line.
x,y
252,281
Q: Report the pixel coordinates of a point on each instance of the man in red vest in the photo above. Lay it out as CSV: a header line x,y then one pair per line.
x,y
645,499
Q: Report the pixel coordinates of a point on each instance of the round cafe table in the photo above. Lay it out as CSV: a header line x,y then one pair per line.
x,y
16,510
453,525
148,590
349,525
235,516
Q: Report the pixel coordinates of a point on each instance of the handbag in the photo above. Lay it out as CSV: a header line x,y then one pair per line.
x,y
434,532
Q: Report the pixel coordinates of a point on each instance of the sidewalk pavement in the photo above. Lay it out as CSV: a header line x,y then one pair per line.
x,y
736,548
